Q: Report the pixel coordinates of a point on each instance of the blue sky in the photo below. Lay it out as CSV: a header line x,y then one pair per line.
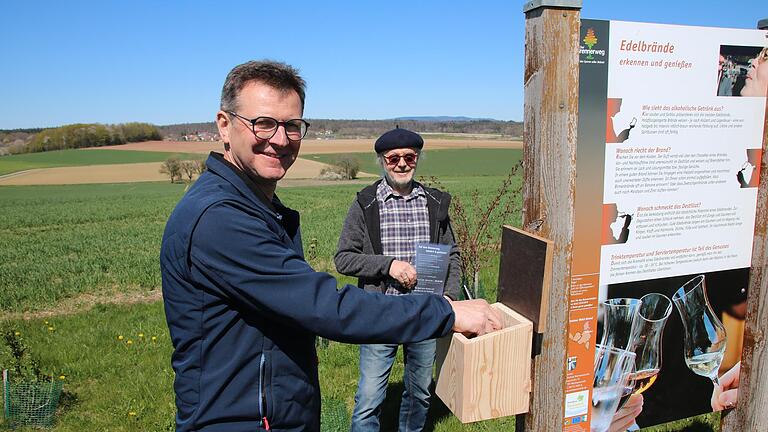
x,y
164,62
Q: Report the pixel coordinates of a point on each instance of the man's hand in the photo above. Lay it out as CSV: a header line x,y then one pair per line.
x,y
726,395
404,273
475,317
625,417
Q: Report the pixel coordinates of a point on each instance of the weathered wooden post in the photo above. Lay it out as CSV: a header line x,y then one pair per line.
x,y
551,117
749,414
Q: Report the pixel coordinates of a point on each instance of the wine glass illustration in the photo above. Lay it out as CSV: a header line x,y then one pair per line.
x,y
705,337
652,316
619,318
613,367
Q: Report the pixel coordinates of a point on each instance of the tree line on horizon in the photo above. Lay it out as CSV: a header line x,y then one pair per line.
x,y
329,128
95,135
78,136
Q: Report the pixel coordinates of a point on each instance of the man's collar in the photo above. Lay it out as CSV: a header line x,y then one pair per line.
x,y
384,191
271,204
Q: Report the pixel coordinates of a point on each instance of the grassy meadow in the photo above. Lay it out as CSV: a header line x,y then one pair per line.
x,y
81,157
59,242
444,163
66,248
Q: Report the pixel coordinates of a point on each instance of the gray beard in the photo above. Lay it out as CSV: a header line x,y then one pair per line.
x,y
396,184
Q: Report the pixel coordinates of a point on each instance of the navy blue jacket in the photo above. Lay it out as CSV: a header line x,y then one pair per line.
x,y
243,309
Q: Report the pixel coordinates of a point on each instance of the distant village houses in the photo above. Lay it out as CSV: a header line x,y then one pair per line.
x,y
200,136
325,135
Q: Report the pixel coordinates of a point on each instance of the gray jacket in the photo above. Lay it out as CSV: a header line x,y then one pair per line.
x,y
360,250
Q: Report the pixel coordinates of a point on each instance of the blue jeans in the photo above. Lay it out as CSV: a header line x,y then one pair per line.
x,y
375,366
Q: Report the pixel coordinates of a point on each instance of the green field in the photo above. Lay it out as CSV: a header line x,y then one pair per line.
x,y
77,157
443,163
59,243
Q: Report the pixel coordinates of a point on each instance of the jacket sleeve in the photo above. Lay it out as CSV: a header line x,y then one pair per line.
x,y
238,257
453,281
350,259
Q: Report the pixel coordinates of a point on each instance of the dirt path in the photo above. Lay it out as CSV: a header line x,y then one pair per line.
x,y
86,302
13,174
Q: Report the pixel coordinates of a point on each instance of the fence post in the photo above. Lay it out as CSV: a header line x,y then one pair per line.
x,y
749,414
551,118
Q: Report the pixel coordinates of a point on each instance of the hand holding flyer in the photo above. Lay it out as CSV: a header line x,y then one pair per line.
x,y
431,267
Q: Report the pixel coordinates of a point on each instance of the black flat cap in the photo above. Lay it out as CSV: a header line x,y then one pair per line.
x,y
398,138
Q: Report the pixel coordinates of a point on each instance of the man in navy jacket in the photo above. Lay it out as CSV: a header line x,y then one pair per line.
x,y
242,305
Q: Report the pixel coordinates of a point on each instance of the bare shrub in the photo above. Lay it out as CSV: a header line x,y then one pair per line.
x,y
474,225
200,166
348,166
189,169
330,173
172,168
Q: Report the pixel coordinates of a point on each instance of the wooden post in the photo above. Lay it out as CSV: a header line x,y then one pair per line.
x,y
551,118
749,414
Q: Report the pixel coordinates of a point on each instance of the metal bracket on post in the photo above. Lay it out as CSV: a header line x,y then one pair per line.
x,y
763,24
538,340
565,4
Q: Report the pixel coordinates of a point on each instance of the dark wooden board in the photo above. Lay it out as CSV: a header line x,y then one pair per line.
x,y
525,271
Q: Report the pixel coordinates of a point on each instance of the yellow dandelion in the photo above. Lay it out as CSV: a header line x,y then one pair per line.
x,y
132,413
141,335
120,337
17,333
51,329
62,377
130,342
154,338
46,323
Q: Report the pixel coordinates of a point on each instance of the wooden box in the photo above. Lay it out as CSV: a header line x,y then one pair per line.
x,y
490,376
487,376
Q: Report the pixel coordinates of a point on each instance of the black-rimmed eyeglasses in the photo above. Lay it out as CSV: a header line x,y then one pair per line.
x,y
266,127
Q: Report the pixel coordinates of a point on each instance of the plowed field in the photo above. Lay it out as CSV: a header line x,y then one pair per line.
x,y
315,146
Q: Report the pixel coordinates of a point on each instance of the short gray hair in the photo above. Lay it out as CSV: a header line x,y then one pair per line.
x,y
275,74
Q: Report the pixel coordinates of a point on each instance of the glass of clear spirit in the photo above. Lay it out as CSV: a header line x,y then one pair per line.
x,y
613,368
704,333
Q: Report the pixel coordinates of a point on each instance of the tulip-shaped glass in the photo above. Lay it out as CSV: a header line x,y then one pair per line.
x,y
704,333
613,367
619,317
646,342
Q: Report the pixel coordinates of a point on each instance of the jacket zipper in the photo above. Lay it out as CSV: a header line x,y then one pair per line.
x,y
262,393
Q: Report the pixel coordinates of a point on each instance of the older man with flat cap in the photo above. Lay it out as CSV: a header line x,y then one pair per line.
x,y
378,245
